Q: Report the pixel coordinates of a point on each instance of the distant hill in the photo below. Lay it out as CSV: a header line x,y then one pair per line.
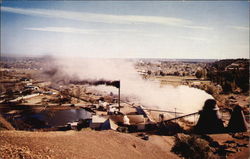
x,y
231,74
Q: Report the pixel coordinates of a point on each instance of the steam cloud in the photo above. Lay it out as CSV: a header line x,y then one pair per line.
x,y
148,93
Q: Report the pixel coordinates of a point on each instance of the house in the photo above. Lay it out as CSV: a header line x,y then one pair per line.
x,y
72,125
137,120
233,66
119,119
97,121
109,124
49,92
24,79
101,123
112,109
31,87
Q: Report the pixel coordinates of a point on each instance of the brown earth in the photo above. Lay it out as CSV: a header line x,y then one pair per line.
x,y
238,152
5,124
84,144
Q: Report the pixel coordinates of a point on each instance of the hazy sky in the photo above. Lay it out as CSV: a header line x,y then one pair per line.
x,y
126,29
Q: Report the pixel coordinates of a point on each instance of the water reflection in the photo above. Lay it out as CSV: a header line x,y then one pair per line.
x,y
29,120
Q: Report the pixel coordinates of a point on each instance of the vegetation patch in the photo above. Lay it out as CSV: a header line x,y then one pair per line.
x,y
192,147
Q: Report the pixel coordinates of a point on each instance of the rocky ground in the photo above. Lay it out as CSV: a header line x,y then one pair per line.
x,y
237,145
84,144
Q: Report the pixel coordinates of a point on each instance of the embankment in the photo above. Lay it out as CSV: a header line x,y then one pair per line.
x,y
4,124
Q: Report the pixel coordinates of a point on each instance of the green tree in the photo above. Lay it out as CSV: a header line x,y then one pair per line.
x,y
198,73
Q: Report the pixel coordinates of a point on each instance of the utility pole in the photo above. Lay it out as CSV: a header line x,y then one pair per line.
x,y
119,96
175,113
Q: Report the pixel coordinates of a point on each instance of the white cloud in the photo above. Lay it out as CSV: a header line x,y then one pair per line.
x,y
64,30
105,18
83,31
241,28
194,38
96,31
198,27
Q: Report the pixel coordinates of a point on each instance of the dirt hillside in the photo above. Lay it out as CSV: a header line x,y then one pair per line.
x,y
5,124
84,144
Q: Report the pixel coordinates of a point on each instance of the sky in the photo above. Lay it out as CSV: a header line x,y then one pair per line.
x,y
126,29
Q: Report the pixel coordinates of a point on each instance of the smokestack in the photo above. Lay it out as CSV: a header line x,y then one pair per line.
x,y
119,94
115,84
97,82
102,82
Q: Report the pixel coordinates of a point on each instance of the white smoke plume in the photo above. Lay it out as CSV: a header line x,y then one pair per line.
x,y
149,93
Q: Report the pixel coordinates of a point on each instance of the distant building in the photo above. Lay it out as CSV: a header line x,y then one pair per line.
x,y
233,66
102,123
97,121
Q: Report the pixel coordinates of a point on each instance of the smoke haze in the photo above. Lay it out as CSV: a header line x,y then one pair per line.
x,y
148,93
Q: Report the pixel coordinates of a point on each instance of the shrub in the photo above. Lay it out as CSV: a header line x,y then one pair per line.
x,y
198,73
192,147
211,89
